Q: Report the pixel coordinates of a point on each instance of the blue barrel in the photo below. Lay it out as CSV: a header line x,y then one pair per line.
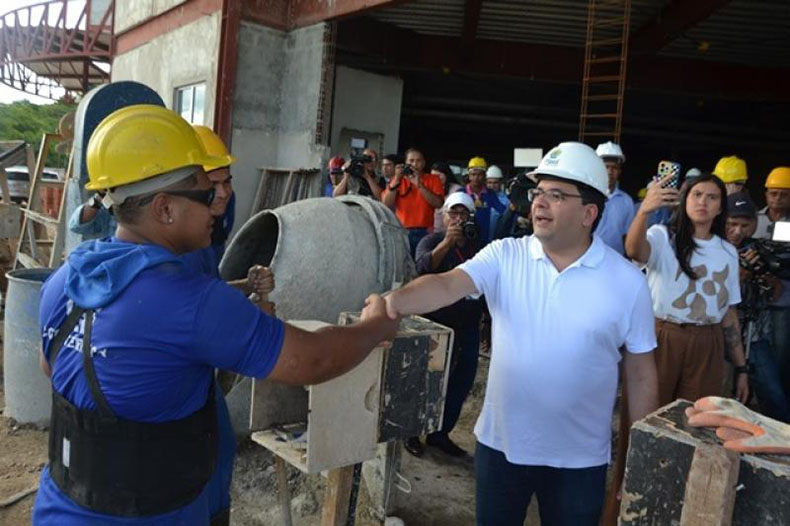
x,y
28,395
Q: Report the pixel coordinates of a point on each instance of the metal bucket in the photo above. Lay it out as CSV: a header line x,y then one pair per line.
x,y
327,255
28,394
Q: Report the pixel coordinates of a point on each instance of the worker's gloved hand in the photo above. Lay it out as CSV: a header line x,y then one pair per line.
x,y
741,429
260,280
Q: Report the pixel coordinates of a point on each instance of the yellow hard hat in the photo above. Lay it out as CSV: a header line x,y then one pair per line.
x,y
142,141
778,178
477,163
214,146
731,170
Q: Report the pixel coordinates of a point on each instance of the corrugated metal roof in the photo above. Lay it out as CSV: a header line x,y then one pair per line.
x,y
744,31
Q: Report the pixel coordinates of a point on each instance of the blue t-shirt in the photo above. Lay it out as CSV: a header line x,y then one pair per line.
x,y
155,347
618,213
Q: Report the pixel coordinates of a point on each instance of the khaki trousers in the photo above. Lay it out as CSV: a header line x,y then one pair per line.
x,y
690,365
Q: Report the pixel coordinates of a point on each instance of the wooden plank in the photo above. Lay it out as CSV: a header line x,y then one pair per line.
x,y
270,440
337,496
285,494
710,487
27,261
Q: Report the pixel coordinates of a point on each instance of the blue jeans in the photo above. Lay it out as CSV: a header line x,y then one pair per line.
x,y
566,497
462,374
767,382
415,235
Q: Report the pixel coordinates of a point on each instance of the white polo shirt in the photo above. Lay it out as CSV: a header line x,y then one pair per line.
x,y
555,349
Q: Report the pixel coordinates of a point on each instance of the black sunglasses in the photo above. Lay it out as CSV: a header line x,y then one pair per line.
x,y
204,197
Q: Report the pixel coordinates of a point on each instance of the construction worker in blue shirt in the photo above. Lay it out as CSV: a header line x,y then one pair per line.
x,y
131,338
94,220
619,211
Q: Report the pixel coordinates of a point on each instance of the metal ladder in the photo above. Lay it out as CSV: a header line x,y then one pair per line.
x,y
605,64
41,237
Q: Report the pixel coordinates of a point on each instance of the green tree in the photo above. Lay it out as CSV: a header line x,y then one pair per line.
x,y
25,121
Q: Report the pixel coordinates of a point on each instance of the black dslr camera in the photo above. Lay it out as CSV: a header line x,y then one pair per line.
x,y
356,167
517,190
470,230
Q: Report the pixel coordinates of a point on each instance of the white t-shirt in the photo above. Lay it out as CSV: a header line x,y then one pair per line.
x,y
677,298
555,349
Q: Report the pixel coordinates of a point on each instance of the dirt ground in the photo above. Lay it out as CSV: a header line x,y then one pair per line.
x,y
442,489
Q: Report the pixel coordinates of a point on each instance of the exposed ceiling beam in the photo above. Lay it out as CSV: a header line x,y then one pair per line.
x,y
308,12
397,48
677,17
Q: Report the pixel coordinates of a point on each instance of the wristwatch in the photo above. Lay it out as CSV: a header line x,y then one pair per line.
x,y
741,369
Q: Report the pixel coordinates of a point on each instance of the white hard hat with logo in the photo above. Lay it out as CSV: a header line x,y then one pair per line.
x,y
610,149
574,161
459,198
494,172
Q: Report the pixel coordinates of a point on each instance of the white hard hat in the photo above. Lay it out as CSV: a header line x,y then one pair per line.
x,y
693,172
459,198
577,162
494,172
610,149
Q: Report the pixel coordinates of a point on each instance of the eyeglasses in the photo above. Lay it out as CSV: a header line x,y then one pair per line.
x,y
554,196
455,214
204,197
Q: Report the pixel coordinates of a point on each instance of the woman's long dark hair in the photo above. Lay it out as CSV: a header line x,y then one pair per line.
x,y
682,229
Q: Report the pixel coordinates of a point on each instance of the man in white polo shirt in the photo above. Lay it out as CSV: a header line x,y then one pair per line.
x,y
562,304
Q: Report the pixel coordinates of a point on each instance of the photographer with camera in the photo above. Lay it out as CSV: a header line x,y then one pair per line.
x,y
758,288
414,196
360,177
441,252
516,221
777,198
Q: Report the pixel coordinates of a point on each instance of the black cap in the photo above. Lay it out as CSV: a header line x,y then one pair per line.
x,y
740,204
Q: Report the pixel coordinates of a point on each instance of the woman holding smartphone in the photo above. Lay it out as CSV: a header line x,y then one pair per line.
x,y
692,272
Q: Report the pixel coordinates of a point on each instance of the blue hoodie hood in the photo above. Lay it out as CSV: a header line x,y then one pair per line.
x,y
99,270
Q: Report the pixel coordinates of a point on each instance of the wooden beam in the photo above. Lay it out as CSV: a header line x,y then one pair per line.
x,y
270,13
710,487
226,68
673,20
309,12
337,496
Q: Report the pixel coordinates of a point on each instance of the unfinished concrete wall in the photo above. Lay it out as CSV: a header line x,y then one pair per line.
x,y
187,55
275,105
129,13
366,102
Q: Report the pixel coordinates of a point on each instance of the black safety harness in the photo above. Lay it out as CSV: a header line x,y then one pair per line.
x,y
121,467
